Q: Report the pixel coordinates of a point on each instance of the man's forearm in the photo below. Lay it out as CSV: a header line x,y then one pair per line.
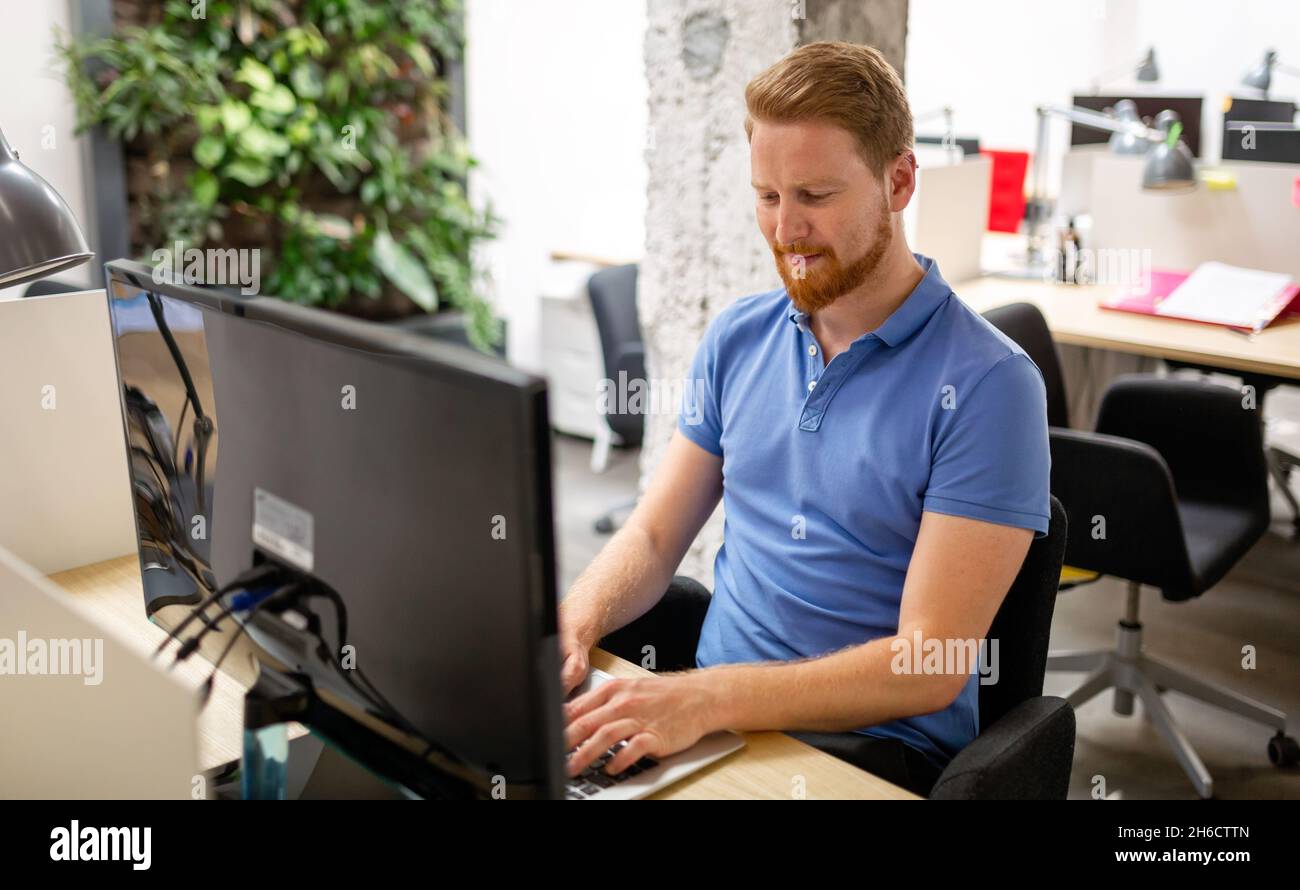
x,y
621,584
842,691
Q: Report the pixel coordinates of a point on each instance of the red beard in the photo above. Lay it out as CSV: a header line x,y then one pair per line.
x,y
824,280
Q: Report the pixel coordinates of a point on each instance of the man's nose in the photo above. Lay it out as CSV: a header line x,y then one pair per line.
x,y
791,226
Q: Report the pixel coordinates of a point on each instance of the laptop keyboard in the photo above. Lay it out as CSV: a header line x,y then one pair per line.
x,y
592,780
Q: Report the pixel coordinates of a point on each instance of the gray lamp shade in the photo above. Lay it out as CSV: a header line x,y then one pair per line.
x,y
1261,76
1169,168
1147,71
1128,143
38,233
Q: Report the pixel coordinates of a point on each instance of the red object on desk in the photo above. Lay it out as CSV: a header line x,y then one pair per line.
x,y
1007,189
1163,283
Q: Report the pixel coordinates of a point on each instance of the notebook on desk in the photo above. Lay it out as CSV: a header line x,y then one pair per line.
x,y
1207,296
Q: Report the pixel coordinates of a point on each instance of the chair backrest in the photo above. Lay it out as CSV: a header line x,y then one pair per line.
x,y
1023,323
1024,624
613,303
1224,462
1123,511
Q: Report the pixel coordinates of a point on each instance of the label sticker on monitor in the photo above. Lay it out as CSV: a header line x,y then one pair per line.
x,y
283,529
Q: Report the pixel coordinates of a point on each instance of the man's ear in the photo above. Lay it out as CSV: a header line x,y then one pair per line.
x,y
901,180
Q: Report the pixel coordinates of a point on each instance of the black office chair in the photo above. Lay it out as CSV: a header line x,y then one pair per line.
x,y
1170,491
1281,463
613,302
1026,743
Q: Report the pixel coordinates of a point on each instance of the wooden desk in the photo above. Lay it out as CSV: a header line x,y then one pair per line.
x,y
1074,316
772,765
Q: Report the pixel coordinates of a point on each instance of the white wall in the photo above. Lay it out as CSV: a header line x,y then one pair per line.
x,y
35,99
557,102
993,61
556,113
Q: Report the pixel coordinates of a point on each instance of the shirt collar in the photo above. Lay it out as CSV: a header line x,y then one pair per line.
x,y
928,295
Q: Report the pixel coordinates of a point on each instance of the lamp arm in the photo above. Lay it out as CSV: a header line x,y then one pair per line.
x,y
1088,118
949,133
1084,117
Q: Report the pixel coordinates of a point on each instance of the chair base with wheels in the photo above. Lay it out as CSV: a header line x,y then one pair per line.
x,y
609,521
1132,673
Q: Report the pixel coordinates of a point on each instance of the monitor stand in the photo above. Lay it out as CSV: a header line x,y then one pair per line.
x,y
341,758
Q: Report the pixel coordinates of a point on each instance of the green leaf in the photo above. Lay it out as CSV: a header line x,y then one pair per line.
x,y
277,100
405,272
420,56
306,80
205,187
209,151
207,118
235,116
332,172
250,173
299,132
255,74
332,226
261,143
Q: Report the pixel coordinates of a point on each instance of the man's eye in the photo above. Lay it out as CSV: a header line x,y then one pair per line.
x,y
768,198
811,197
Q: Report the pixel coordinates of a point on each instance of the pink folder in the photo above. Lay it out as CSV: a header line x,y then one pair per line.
x,y
1163,282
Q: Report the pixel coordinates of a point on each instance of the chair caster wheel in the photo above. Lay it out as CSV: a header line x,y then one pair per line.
x,y
1283,751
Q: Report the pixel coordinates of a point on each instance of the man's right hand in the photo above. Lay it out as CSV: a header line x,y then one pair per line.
x,y
631,572
575,662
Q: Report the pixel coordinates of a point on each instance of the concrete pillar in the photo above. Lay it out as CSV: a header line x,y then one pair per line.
x,y
703,248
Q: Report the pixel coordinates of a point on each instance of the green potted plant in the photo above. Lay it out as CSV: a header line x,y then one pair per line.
x,y
315,131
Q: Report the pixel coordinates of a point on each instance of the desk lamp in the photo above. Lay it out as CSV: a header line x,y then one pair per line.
x,y
1168,166
1146,70
1261,76
38,233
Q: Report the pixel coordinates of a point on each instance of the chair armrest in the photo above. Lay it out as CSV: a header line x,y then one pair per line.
x,y
1210,435
1024,756
1122,510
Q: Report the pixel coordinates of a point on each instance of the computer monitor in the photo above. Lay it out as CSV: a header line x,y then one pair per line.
x,y
410,476
1275,110
1262,141
1148,106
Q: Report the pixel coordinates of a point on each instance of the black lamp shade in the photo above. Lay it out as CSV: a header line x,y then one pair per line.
x,y
38,233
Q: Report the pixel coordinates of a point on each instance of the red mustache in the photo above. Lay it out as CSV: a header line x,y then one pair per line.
x,y
803,250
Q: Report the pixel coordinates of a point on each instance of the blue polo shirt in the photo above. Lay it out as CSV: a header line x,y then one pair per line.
x,y
827,469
